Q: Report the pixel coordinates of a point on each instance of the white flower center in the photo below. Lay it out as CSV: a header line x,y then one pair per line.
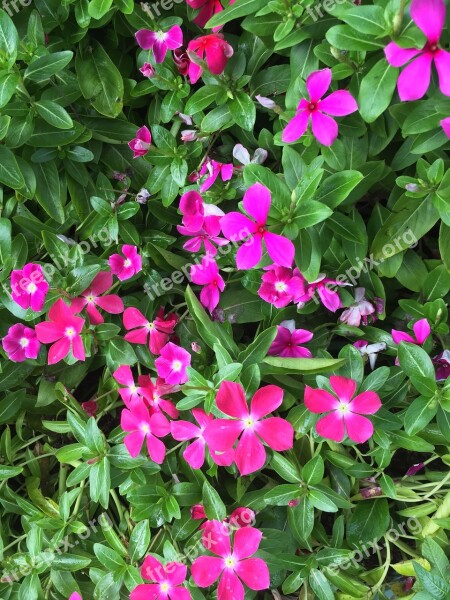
x,y
343,408
230,562
177,365
70,332
249,423
161,35
127,263
31,288
280,286
24,342
145,428
150,326
133,389
90,299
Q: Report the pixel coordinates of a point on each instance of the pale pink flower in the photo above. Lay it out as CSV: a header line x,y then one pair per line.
x,y
370,350
141,143
214,49
280,286
324,287
172,363
429,16
160,41
445,124
63,332
359,310
92,297
141,426
125,268
209,277
242,155
167,581
194,453
188,135
232,565
324,128
29,287
249,425
213,168
345,414
235,226
21,343
288,340
157,332
266,102
147,70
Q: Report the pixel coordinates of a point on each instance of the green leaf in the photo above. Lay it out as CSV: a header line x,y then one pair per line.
x,y
368,522
54,114
48,65
5,240
301,520
10,174
243,110
214,507
345,228
218,118
98,8
309,213
438,588
337,187
376,89
8,85
313,471
201,99
415,362
9,40
48,190
320,585
346,38
366,19
258,349
109,558
139,540
234,11
419,414
276,364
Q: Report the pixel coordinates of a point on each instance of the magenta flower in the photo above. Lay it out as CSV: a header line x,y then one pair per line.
x,y
63,329
236,226
445,124
167,581
194,454
125,268
153,395
29,287
338,104
197,214
429,16
92,297
213,169
141,143
160,41
414,469
344,413
288,340
206,8
359,310
442,364
421,331
324,287
240,517
172,363
280,286
209,277
147,70
157,331
142,426
198,512
221,434
214,49
21,343
232,566
182,61
75,596
131,394
204,238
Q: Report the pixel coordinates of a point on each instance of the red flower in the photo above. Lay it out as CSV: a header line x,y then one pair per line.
x,y
214,49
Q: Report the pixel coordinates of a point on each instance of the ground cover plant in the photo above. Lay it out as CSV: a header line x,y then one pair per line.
x,y
225,269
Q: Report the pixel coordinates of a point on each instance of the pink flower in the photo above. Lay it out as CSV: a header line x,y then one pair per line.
x,y
288,340
213,169
197,214
280,286
206,238
323,286
442,364
64,329
171,365
194,454
160,41
421,331
240,517
147,70
429,16
29,287
345,415
92,298
167,581
131,394
209,277
21,343
142,426
214,49
250,453
358,311
324,128
197,511
90,407
182,61
207,8
232,566
153,395
125,268
75,596
235,226
445,124
141,143
157,331
414,469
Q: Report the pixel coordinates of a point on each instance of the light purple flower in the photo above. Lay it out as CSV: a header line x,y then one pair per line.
x,y
359,310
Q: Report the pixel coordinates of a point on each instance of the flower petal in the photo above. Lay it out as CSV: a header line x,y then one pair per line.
x,y
317,84
296,127
344,387
250,454
216,538
246,542
221,434
145,591
397,57
230,587
176,572
174,37
319,401
231,400
280,249
338,104
414,80
276,432
421,330
324,128
194,454
359,429
58,351
256,201
249,254
366,403
254,573
429,16
145,38
266,400
152,570
331,427
206,570
236,226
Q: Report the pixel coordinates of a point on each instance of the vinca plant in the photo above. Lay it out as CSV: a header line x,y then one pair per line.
x,y
224,286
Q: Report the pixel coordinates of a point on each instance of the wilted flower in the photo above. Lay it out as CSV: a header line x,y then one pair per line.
x,y
147,70
142,196
181,60
442,364
359,310
266,102
370,350
242,155
213,168
141,143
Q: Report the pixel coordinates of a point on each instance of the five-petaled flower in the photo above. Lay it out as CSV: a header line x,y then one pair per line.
x,y
141,426
232,565
345,413
125,268
92,298
288,341
21,343
140,328
429,16
63,332
160,41
167,581
172,364
249,425
338,104
207,274
29,287
236,226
